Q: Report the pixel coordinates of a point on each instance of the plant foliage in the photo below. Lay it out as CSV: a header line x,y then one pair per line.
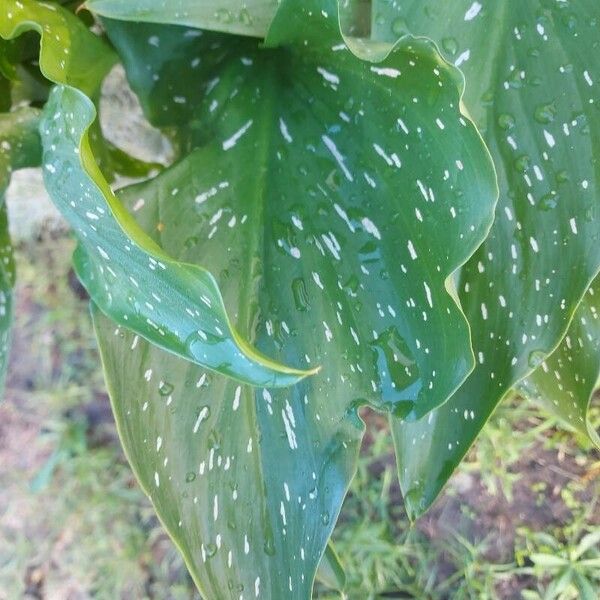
x,y
331,207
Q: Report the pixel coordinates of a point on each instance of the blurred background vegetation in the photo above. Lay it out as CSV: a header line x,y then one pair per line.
x,y
520,518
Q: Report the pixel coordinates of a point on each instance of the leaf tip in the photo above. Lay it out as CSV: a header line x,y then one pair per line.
x,y
291,376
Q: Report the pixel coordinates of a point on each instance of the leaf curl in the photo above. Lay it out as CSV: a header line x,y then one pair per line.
x,y
177,306
333,198
532,75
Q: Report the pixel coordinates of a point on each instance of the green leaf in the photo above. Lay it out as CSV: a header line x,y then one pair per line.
x,y
251,17
65,52
561,582
15,52
532,72
5,94
345,184
177,306
585,587
588,542
331,572
7,68
548,561
129,166
19,143
159,60
593,563
565,382
243,481
70,53
305,227
19,148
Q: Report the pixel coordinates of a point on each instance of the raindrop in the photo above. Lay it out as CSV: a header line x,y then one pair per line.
x,y
165,388
300,294
400,378
191,242
548,202
506,121
380,19
223,15
269,546
399,27
544,113
570,20
450,45
351,285
536,358
522,163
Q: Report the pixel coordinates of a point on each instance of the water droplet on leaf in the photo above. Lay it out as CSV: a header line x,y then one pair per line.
x,y
536,358
450,45
165,388
300,294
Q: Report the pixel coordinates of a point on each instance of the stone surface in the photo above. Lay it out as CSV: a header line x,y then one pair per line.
x,y
29,207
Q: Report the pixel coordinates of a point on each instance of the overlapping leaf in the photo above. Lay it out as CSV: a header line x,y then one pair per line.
x,y
70,53
177,306
333,198
19,148
565,382
251,17
532,72
160,61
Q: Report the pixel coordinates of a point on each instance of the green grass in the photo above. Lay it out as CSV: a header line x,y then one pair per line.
x,y
74,524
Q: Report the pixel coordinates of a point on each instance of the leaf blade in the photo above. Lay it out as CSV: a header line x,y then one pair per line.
x,y
71,54
288,233
565,382
188,316
177,306
532,118
229,16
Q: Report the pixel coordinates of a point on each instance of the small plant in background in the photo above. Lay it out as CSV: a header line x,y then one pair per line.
x,y
369,204
495,458
566,564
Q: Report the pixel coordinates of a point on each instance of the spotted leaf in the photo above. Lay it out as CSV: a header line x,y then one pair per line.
x,y
565,382
177,306
333,198
70,53
532,72
159,61
357,181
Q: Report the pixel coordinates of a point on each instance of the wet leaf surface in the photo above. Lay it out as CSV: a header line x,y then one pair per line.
x,y
565,382
532,77
177,306
251,17
333,198
19,148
